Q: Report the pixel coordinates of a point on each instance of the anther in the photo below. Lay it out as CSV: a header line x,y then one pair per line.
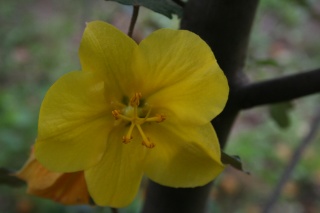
x,y
158,118
148,144
126,139
145,140
116,114
135,100
131,115
161,117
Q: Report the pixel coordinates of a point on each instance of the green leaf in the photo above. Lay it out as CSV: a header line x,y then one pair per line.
x,y
164,7
280,114
7,178
233,161
267,62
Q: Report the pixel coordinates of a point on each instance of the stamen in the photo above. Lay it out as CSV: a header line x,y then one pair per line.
x,y
147,116
135,100
124,117
126,139
115,114
131,114
158,118
145,140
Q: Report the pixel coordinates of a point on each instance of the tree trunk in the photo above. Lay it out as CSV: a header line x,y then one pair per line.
x,y
225,25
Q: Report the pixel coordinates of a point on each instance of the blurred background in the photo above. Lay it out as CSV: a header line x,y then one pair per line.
x,y
39,42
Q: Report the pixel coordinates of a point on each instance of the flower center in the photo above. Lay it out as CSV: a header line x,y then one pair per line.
x,y
131,113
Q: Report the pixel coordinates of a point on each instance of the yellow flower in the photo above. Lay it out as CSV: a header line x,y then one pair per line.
x,y
65,188
134,110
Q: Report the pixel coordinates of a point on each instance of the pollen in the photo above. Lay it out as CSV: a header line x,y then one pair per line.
x,y
135,100
126,139
157,118
133,115
115,114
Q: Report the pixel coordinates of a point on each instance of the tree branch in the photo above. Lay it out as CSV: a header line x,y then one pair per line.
x,y
7,178
180,3
278,90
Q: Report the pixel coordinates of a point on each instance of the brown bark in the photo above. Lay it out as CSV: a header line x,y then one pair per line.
x,y
225,25
278,90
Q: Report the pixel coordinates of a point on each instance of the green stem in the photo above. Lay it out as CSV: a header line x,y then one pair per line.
x,y
133,19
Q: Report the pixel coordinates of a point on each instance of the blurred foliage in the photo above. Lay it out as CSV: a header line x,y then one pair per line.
x,y
39,43
284,41
280,113
165,7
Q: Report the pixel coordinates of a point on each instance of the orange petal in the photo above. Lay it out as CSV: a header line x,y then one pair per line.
x,y
65,188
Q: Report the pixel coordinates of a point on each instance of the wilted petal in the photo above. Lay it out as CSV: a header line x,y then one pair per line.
x,y
65,188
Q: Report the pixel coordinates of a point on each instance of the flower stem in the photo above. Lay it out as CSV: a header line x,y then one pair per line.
x,y
133,19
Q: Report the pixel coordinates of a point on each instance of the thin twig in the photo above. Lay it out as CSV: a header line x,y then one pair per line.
x,y
293,162
8,177
279,90
134,18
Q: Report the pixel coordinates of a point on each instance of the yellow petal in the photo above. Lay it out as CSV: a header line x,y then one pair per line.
x,y
115,180
180,73
183,156
74,122
107,51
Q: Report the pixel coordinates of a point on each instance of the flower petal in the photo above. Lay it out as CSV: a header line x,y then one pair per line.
x,y
183,156
181,74
107,51
74,123
115,180
37,176
69,189
65,188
